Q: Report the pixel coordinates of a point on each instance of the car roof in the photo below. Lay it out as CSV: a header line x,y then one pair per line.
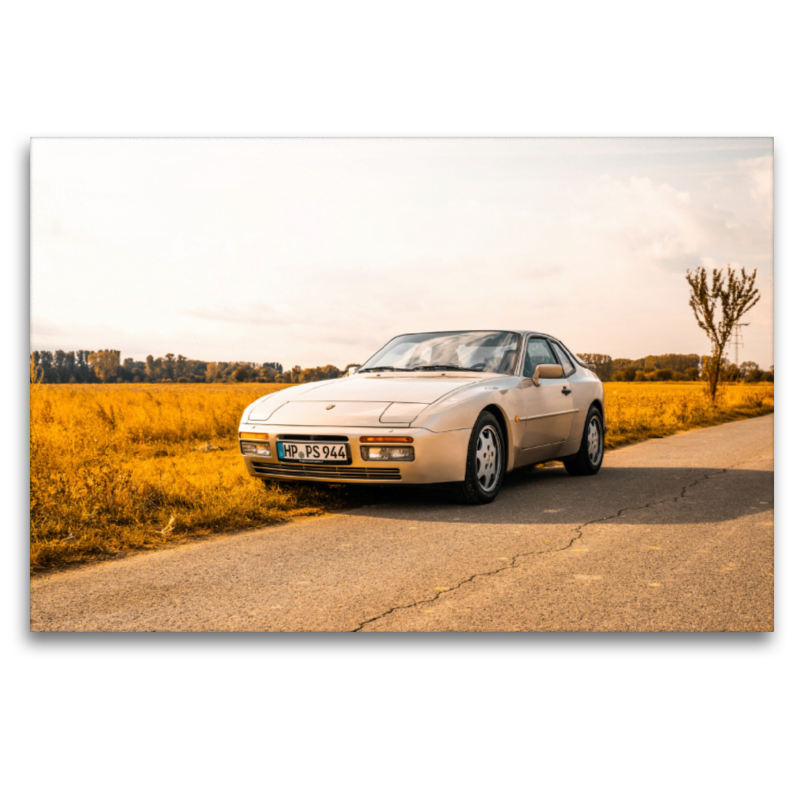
x,y
483,330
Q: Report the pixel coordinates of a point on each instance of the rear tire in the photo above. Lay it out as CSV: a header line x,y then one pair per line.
x,y
589,459
486,462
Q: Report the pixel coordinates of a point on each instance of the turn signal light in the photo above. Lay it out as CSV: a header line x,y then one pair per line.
x,y
385,439
246,435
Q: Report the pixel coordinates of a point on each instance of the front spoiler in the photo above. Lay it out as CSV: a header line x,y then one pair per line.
x,y
438,457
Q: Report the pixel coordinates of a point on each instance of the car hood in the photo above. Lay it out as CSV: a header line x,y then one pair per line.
x,y
388,388
329,414
360,400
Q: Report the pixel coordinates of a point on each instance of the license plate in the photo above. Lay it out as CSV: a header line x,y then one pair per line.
x,y
312,451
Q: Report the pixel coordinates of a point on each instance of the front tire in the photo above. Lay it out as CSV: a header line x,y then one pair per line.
x,y
486,462
589,459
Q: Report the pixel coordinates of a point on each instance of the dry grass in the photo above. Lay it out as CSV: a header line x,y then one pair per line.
x,y
650,410
122,468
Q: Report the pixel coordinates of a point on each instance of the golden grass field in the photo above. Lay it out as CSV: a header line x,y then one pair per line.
x,y
118,468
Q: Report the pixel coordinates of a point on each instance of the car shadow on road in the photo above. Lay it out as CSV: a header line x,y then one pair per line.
x,y
551,495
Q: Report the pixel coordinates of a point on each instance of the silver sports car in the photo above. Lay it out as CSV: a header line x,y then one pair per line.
x,y
455,407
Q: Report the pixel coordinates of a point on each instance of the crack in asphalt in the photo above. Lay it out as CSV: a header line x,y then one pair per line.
x,y
578,531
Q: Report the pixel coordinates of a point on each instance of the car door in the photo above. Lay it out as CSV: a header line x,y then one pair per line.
x,y
549,407
579,400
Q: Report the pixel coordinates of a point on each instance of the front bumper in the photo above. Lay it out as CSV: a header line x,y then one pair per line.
x,y
438,457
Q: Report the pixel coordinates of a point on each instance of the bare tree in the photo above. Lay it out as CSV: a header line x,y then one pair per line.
x,y
735,294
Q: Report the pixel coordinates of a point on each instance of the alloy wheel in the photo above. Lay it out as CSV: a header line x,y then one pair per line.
x,y
594,440
487,458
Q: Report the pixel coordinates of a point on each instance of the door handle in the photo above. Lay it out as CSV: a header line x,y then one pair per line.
x,y
564,390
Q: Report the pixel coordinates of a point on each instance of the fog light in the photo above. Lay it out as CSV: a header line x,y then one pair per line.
x,y
256,449
387,453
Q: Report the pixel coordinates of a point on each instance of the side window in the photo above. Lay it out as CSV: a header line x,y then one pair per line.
x,y
538,352
564,359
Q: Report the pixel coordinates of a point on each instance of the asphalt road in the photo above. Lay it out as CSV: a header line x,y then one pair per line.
x,y
673,534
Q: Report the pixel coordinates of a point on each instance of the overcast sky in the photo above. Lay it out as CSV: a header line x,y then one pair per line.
x,y
317,251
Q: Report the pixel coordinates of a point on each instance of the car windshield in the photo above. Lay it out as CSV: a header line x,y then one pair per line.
x,y
468,351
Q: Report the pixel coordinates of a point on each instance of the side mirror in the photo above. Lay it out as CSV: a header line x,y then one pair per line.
x,y
352,370
547,371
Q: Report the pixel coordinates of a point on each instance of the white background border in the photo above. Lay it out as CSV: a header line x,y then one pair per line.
x,y
396,716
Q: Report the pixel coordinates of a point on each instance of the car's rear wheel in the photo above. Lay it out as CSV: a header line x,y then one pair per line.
x,y
486,462
589,459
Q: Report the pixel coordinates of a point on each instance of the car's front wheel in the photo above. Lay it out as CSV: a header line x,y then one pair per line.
x,y
486,462
589,459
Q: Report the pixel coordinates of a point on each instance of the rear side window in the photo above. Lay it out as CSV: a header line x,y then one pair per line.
x,y
537,352
564,359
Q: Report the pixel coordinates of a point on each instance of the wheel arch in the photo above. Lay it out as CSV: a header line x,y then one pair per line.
x,y
505,430
599,406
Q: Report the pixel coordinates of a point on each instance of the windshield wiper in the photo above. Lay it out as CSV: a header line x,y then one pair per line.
x,y
385,369
441,367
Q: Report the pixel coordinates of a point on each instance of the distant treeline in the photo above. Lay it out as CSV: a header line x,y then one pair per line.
x,y
671,367
104,366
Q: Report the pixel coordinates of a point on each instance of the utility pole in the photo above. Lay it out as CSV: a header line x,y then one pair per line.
x,y
738,341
